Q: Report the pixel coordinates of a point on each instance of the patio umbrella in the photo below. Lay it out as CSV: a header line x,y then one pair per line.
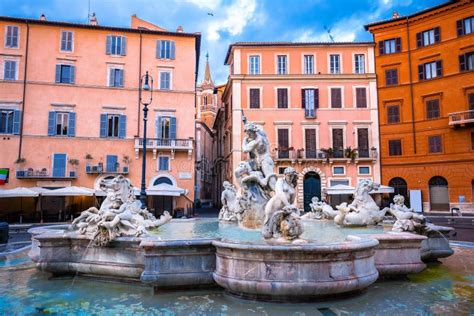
x,y
165,189
340,189
19,192
69,191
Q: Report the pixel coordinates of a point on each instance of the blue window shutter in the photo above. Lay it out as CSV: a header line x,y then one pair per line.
x,y
73,74
58,73
52,123
123,51
108,45
121,72
111,163
158,49
103,125
172,127
59,165
172,54
71,132
158,127
16,122
111,77
122,126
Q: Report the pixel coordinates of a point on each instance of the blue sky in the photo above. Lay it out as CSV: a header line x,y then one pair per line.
x,y
232,21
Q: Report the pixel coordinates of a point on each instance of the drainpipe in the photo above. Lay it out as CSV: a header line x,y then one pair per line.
x,y
411,88
378,113
24,90
139,88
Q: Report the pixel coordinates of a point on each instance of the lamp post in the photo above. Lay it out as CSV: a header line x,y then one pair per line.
x,y
147,86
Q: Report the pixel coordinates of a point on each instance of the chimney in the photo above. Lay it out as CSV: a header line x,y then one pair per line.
x,y
395,15
43,17
93,20
180,29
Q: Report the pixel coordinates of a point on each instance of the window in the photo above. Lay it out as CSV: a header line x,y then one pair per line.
x,y
308,64
9,70
282,98
166,127
364,170
428,37
390,46
361,97
9,121
165,49
11,38
115,77
393,114
65,74
310,143
470,100
334,64
395,147
111,163
254,65
310,101
254,98
430,70
283,143
163,163
281,64
338,142
281,170
113,125
336,182
359,63
391,77
472,140
338,170
363,142
61,124
434,144
116,45
336,98
432,109
66,41
165,80
465,26
59,165
466,61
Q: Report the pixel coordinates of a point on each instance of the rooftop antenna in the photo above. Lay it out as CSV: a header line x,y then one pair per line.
x,y
328,30
88,11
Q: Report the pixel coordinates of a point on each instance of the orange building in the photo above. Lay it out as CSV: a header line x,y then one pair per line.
x,y
70,110
424,65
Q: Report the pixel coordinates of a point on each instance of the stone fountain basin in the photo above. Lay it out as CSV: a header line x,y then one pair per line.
x,y
295,272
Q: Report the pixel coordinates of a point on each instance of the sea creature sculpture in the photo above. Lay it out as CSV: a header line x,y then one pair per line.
x,y
319,210
407,219
230,204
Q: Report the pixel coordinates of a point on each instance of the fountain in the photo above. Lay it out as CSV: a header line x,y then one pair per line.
x,y
260,247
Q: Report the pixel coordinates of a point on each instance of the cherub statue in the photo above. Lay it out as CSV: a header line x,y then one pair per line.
x,y
407,219
229,211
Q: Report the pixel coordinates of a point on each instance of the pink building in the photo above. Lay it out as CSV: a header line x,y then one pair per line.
x,y
70,110
317,102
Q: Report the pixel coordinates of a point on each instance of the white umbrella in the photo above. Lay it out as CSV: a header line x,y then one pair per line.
x,y
340,189
165,189
18,192
383,189
69,191
136,191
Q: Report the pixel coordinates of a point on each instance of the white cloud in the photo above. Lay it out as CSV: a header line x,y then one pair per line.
x,y
205,4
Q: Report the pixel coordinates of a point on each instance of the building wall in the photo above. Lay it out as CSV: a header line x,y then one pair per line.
x,y
91,96
349,118
417,165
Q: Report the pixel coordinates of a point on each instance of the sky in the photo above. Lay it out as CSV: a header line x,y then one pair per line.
x,y
223,22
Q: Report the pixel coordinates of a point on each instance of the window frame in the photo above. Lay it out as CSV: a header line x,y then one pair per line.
x,y
7,123
355,104
114,130
340,70
399,141
427,110
249,99
286,64
355,55
288,129
72,68
316,139
288,97
61,41
395,71
334,174
397,48
65,119
11,60
341,88
168,157
388,114
17,39
115,68
364,174
439,145
257,57
170,81
313,65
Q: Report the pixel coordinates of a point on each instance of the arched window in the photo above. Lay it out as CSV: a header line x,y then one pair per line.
x,y
161,180
437,181
400,187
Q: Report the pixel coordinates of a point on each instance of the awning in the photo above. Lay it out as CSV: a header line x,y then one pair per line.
x,y
165,189
136,191
18,192
69,191
383,189
340,189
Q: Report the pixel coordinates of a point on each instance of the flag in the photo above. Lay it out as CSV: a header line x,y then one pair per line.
x,y
3,176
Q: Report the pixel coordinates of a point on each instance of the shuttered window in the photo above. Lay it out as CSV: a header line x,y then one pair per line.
x,y
310,102
308,64
310,143
61,124
163,163
391,77
116,45
435,144
113,125
393,114
432,109
363,142
115,77
166,127
334,64
465,26
165,49
395,147
9,70
361,97
9,121
11,38
336,98
254,98
283,143
430,70
428,37
466,61
59,165
254,64
359,63
338,142
65,74
66,41
282,67
282,96
390,46
470,100
165,80
111,163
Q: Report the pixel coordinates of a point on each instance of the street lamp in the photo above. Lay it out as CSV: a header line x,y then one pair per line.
x,y
147,81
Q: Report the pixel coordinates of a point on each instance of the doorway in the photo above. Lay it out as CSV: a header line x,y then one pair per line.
x,y
311,188
439,194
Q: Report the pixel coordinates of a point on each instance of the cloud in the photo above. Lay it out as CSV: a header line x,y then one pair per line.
x,y
205,4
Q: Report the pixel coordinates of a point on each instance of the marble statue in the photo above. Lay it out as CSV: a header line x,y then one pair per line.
x,y
407,219
230,204
282,221
363,210
319,210
119,215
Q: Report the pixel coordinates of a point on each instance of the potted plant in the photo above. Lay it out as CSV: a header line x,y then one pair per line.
x,y
350,153
88,157
126,161
74,163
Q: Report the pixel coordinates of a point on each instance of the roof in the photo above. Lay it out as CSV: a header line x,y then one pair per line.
x,y
288,44
442,5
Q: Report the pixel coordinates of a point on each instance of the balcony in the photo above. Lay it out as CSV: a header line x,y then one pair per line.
x,y
364,155
30,173
461,119
99,169
160,144
310,113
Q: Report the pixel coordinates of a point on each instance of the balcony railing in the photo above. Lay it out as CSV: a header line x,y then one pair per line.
x,y
164,143
310,113
461,118
30,173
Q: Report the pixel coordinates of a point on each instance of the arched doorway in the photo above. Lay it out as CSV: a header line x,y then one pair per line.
x,y
162,203
311,188
400,187
161,180
439,194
